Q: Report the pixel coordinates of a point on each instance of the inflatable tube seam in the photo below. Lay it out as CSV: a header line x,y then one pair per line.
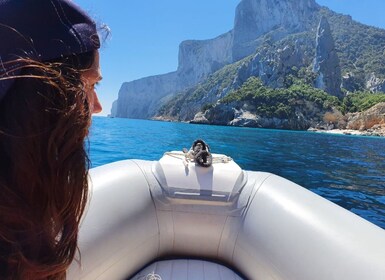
x,y
152,199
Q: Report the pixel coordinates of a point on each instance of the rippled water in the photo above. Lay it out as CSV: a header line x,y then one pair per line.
x,y
348,170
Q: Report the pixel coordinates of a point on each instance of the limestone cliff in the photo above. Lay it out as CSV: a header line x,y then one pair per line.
x,y
197,59
372,118
374,83
277,41
326,62
271,63
140,98
254,18
114,108
244,114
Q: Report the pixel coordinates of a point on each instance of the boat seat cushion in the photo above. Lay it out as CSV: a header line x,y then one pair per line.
x,y
186,269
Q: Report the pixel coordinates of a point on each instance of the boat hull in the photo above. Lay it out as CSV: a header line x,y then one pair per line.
x,y
269,228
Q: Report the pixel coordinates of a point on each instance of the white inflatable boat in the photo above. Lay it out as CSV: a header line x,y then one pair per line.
x,y
173,219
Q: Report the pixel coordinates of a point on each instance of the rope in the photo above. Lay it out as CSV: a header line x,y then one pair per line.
x,y
200,154
153,276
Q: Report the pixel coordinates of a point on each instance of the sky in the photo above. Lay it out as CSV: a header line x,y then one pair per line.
x,y
145,34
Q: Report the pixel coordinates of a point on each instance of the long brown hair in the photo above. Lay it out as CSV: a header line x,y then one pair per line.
x,y
44,121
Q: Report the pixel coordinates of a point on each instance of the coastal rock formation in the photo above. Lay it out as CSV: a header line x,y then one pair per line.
x,y
140,98
373,117
244,114
351,83
375,84
200,58
114,108
272,64
197,59
277,42
367,123
254,18
326,63
370,122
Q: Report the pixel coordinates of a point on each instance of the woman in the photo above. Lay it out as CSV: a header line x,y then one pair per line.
x,y
49,65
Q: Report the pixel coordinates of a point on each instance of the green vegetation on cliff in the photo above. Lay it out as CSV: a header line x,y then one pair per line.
x,y
204,94
280,102
360,47
219,80
361,101
283,102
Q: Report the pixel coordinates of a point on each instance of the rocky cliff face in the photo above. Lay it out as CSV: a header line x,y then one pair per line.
x,y
254,18
198,59
326,62
272,63
277,41
375,84
244,114
372,118
114,108
140,98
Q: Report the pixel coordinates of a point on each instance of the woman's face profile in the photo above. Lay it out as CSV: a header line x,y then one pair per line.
x,y
91,77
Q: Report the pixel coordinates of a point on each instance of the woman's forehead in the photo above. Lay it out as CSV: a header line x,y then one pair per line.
x,y
94,71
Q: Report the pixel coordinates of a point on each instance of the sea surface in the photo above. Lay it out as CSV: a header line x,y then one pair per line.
x,y
348,170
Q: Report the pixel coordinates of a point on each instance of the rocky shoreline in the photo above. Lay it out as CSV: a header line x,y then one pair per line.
x,y
368,123
377,131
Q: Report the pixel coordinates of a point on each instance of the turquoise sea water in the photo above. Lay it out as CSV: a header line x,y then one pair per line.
x,y
348,170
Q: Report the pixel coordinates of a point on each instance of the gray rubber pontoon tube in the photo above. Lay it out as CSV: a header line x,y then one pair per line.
x,y
269,228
